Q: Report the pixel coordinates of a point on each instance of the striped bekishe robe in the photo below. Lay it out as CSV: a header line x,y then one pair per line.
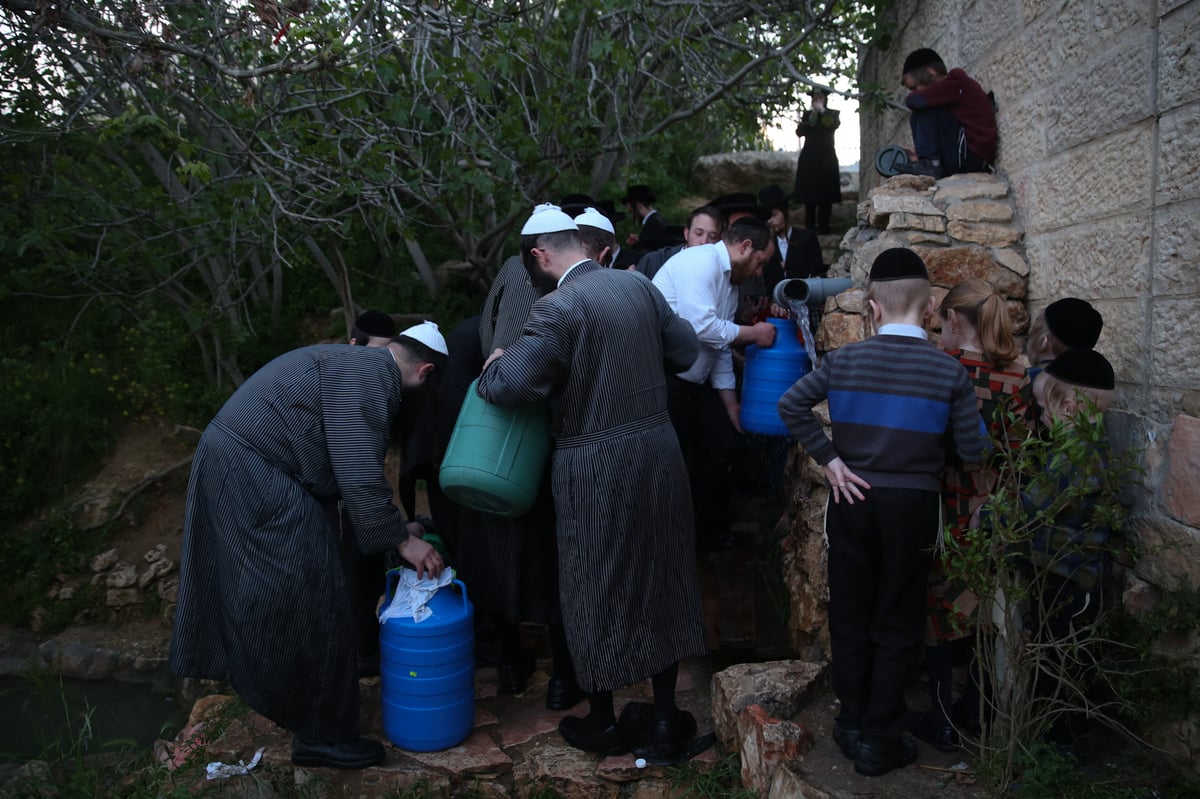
x,y
600,347
262,599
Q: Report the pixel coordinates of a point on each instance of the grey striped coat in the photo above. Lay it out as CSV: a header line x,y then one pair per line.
x,y
262,602
600,347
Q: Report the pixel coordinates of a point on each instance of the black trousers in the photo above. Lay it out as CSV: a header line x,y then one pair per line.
x,y
880,551
708,440
937,134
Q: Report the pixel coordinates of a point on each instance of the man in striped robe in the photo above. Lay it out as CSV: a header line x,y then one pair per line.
x,y
599,345
262,597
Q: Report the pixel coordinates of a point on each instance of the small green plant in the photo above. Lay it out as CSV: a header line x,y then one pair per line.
x,y
721,781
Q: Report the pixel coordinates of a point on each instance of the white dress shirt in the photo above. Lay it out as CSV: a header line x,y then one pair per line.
x,y
695,282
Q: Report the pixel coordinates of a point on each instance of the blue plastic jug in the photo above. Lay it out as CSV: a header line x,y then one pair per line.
x,y
769,372
496,456
427,672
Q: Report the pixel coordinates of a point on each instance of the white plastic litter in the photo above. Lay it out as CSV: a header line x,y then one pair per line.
x,y
412,594
222,771
640,762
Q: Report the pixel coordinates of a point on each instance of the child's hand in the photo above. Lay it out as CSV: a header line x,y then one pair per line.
x,y
844,482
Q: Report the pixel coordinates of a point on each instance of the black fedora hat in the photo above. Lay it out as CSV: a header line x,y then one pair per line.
x,y
772,197
576,204
609,209
639,193
740,202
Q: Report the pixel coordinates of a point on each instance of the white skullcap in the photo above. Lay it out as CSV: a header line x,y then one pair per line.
x,y
428,334
593,218
548,218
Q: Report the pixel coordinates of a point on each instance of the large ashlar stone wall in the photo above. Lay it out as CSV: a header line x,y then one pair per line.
x,y
1099,118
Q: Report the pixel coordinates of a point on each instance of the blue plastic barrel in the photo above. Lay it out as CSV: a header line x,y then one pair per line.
x,y
496,456
769,372
427,673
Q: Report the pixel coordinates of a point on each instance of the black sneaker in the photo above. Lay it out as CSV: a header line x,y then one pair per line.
x,y
362,753
922,166
847,738
875,759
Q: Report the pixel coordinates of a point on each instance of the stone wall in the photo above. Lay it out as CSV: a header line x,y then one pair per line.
x,y
1099,119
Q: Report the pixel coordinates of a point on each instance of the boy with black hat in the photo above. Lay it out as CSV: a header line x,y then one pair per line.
x,y
1068,548
892,400
953,121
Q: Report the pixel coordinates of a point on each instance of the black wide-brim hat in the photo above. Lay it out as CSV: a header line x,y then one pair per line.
x,y
1081,367
740,202
639,193
575,204
773,197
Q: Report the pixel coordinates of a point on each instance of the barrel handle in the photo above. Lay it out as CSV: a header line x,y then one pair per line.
x,y
462,587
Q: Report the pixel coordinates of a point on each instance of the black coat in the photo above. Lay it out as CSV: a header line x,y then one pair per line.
x,y
817,174
803,259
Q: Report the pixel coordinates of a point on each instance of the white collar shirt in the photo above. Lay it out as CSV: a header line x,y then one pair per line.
x,y
695,283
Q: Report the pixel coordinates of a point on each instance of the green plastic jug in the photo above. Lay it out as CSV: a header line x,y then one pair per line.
x,y
496,456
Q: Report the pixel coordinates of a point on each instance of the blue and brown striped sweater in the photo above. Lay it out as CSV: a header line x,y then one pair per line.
x,y
893,401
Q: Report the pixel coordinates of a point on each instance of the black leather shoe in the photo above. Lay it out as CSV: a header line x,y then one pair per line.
x,y
636,724
847,738
875,759
579,734
511,678
562,694
668,738
362,753
934,730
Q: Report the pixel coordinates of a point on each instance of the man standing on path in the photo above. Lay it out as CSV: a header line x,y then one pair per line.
x,y
701,285
597,343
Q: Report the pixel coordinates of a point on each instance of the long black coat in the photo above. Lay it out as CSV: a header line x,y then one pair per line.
x,y
600,347
262,598
817,174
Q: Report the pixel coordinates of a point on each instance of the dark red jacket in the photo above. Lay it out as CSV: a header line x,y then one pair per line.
x,y
969,104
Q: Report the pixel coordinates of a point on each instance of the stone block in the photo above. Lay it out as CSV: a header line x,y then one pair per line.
x,y
1139,597
1102,178
907,221
804,557
950,266
766,742
742,171
569,771
1022,125
1124,340
1109,258
907,183
1177,239
1179,492
104,561
168,590
121,597
1178,56
988,234
850,301
1011,260
790,783
885,202
979,211
839,329
1179,154
779,687
969,186
1175,345
1094,108
476,755
1170,553
123,575
986,25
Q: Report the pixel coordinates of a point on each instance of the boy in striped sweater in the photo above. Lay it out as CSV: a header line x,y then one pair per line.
x,y
892,400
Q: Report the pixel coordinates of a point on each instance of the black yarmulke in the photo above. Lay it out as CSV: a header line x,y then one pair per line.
x,y
897,263
1074,322
1081,367
373,323
920,58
